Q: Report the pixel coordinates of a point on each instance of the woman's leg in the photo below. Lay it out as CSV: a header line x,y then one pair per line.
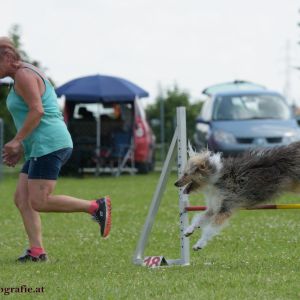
x,y
40,190
42,176
41,200
31,218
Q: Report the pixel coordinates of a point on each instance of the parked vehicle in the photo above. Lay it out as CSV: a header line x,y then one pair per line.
x,y
120,127
107,124
240,115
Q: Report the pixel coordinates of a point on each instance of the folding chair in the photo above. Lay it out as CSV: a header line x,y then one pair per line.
x,y
122,150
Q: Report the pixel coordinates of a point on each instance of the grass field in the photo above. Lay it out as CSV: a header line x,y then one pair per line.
x,y
256,257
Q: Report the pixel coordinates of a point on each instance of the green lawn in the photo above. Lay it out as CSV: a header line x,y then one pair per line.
x,y
256,257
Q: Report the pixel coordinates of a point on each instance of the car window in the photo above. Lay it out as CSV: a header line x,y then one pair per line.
x,y
245,107
91,110
140,110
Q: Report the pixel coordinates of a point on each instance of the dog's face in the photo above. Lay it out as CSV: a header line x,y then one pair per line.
x,y
200,168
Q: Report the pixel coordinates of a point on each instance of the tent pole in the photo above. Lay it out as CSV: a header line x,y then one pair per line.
x,y
98,141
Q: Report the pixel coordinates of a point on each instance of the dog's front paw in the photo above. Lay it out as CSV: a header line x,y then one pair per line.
x,y
199,245
196,247
189,231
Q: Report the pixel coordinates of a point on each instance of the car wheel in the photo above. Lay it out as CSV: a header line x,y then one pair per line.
x,y
143,168
152,163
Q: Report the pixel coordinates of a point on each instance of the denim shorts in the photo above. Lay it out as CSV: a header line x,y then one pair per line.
x,y
47,166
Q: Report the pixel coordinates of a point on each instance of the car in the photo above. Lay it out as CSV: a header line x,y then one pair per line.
x,y
105,133
240,115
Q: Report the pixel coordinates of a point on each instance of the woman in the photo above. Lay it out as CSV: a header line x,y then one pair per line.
x,y
43,137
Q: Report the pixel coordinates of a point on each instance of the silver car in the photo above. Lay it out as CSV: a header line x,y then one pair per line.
x,y
234,120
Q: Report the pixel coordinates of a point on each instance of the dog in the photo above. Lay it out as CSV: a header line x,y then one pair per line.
x,y
229,184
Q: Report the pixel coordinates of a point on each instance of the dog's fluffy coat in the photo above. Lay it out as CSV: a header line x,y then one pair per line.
x,y
255,177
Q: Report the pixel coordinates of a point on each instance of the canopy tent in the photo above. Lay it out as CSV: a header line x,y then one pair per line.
x,y
101,89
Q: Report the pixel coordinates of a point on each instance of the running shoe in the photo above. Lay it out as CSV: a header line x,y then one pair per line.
x,y
28,257
103,215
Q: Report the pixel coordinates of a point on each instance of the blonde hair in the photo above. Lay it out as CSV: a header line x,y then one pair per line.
x,y
7,47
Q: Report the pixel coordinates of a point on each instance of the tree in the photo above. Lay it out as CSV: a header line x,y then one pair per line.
x,y
9,127
15,35
174,97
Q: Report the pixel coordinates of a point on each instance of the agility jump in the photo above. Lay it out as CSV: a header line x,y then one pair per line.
x,y
179,140
267,206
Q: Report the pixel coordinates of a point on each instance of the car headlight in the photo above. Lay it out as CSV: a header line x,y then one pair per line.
x,y
202,127
224,137
291,137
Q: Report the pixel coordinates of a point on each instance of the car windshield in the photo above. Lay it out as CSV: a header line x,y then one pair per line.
x,y
245,107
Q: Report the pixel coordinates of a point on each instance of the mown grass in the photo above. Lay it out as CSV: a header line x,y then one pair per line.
x,y
256,257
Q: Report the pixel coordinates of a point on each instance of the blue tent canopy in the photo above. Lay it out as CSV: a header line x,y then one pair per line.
x,y
100,88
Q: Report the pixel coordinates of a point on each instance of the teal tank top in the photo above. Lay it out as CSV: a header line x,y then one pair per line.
x,y
51,134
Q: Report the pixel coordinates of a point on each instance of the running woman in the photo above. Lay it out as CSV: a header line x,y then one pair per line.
x,y
43,138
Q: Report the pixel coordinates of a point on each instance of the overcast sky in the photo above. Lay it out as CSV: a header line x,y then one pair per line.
x,y
195,43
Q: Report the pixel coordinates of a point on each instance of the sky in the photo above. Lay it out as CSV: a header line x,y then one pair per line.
x,y
159,43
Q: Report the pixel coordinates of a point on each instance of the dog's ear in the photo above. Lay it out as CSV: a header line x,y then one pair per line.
x,y
190,150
